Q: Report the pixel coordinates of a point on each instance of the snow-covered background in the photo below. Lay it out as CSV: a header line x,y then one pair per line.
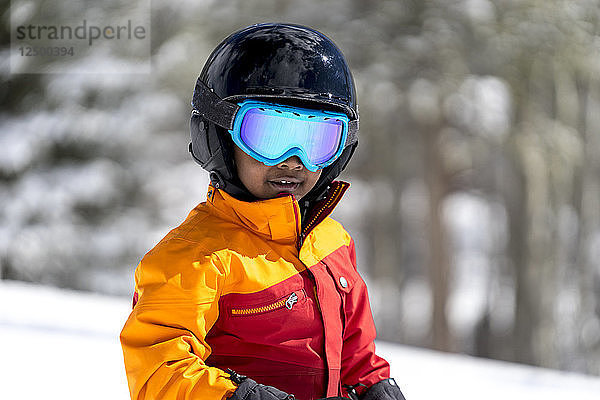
x,y
63,344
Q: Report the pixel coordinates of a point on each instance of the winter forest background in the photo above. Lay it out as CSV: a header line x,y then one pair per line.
x,y
475,197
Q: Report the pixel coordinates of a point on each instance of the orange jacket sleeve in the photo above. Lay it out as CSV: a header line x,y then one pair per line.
x,y
163,339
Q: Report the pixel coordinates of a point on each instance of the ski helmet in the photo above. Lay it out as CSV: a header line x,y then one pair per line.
x,y
282,63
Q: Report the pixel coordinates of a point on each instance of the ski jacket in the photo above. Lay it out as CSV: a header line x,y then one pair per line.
x,y
246,286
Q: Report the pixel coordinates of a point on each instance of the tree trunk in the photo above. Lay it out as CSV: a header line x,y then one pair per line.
x,y
439,264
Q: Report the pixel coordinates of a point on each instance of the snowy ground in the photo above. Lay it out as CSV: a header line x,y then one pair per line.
x,y
59,344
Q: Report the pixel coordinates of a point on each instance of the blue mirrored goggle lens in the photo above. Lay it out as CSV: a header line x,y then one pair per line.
x,y
272,136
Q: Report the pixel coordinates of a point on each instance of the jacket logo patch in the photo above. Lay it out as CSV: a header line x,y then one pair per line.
x,y
293,299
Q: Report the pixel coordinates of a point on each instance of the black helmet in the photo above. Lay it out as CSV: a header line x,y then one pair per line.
x,y
286,64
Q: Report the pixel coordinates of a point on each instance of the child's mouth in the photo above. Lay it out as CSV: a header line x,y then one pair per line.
x,y
285,185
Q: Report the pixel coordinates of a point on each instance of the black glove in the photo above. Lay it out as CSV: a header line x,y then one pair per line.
x,y
250,390
385,390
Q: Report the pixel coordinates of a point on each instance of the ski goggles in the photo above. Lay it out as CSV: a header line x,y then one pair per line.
x,y
271,133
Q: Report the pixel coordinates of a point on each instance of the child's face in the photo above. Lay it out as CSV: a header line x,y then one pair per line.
x,y
266,182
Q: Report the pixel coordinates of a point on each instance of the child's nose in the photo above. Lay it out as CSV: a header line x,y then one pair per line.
x,y
293,163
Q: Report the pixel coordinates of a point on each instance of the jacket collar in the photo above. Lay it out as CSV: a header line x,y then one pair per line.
x,y
276,219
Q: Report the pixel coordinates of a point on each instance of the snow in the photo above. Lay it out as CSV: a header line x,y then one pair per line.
x,y
58,343
426,374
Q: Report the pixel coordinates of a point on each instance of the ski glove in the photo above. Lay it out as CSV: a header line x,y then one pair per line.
x,y
248,389
385,390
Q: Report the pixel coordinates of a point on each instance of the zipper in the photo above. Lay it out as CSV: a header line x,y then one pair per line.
x,y
298,219
287,302
316,297
325,209
322,210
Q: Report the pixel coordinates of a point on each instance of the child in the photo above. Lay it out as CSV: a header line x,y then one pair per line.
x,y
256,294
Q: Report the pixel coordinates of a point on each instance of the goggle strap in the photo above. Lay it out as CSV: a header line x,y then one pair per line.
x,y
352,131
210,106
